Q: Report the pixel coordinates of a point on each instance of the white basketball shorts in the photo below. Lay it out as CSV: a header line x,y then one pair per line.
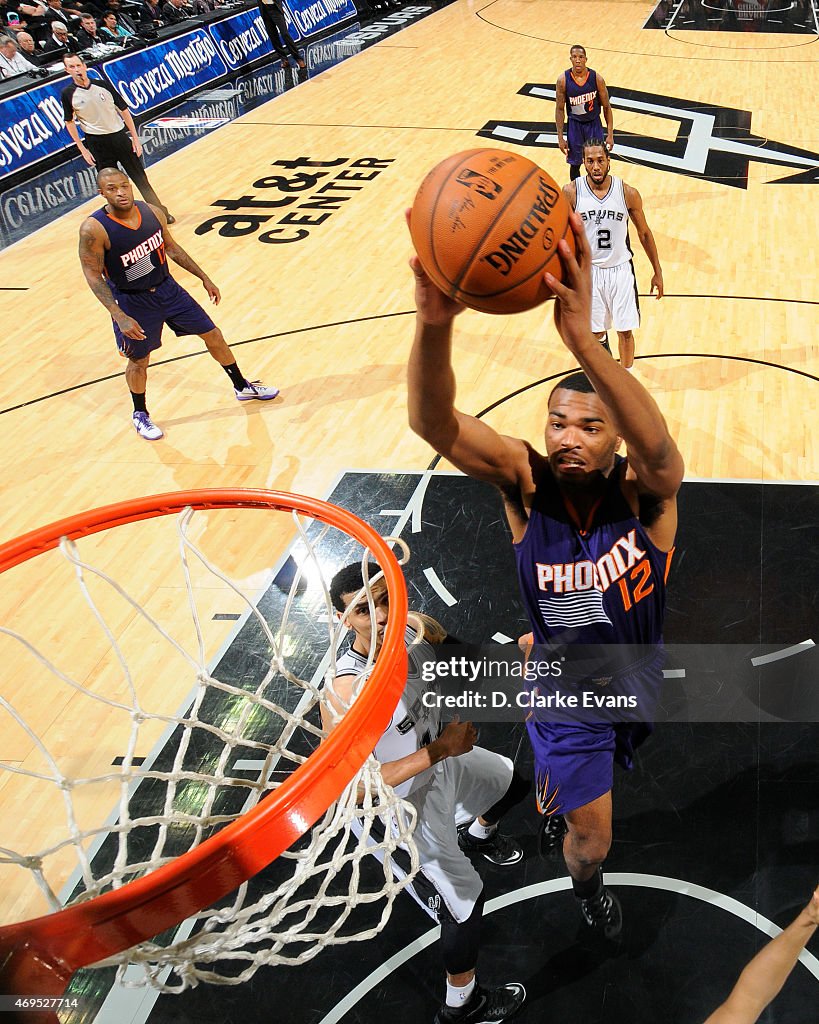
x,y
461,788
614,298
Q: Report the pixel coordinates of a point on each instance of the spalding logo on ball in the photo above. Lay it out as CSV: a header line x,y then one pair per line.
x,y
486,224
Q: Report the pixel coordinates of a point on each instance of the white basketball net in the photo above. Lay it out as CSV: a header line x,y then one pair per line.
x,y
317,887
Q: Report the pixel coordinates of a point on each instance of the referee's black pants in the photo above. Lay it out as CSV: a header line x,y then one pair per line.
x,y
116,148
280,38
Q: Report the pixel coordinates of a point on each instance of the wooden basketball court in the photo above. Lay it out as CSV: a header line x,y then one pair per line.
x,y
720,133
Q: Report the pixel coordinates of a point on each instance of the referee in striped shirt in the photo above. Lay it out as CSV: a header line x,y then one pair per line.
x,y
111,136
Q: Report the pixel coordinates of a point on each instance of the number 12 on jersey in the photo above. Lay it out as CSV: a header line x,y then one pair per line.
x,y
641,576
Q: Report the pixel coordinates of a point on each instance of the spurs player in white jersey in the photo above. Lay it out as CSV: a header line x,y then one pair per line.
x,y
606,205
460,792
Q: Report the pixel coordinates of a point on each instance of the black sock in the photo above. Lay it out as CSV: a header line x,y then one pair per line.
x,y
589,889
235,374
139,401
518,788
574,171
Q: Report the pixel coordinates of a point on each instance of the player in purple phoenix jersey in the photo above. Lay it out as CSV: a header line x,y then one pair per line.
x,y
124,249
593,536
581,95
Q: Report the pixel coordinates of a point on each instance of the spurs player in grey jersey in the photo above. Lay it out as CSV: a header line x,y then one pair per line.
x,y
607,204
459,790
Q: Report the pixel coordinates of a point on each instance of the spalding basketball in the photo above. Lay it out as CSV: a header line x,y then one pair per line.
x,y
486,224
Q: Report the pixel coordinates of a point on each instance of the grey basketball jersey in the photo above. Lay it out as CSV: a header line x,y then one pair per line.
x,y
412,725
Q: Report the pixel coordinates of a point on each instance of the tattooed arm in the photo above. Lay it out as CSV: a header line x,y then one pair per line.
x,y
175,252
93,243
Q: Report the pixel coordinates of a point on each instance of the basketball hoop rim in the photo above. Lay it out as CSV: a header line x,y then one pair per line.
x,y
59,944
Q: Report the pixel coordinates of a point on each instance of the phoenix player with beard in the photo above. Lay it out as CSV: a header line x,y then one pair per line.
x,y
593,534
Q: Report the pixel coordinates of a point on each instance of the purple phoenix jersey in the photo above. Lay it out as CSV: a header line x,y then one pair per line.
x,y
582,101
583,106
136,260
601,582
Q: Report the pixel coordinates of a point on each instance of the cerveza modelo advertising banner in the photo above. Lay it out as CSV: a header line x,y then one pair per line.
x,y
31,123
31,127
308,17
167,71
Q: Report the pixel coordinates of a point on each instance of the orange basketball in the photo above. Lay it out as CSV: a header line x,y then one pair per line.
x,y
485,224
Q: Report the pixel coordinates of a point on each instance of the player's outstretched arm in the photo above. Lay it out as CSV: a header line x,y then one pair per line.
x,y
175,252
634,204
475,448
765,975
92,260
455,739
653,456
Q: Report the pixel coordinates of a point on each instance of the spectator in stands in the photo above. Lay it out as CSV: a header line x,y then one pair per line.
x,y
123,19
112,32
32,16
45,13
95,10
174,11
152,12
11,62
26,45
28,48
88,34
55,10
61,39
29,10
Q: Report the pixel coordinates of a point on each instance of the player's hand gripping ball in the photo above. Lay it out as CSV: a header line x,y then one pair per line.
x,y
486,224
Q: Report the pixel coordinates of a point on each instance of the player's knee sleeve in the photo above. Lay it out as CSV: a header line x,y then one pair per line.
x,y
460,942
574,171
518,789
